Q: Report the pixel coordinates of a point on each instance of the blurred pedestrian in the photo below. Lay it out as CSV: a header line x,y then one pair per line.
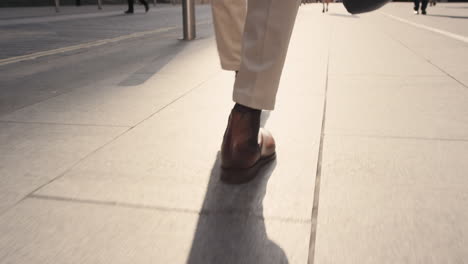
x,y
325,5
432,2
422,4
131,3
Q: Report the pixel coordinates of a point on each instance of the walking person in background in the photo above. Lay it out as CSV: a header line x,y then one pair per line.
x,y
131,3
417,4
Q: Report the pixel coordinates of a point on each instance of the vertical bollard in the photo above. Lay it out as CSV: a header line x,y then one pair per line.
x,y
57,6
154,2
99,4
188,13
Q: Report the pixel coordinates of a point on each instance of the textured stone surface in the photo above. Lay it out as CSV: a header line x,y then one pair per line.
x,y
393,201
33,154
427,107
392,184
166,161
44,231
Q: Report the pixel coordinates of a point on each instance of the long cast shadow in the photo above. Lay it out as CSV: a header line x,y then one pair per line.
x,y
343,15
231,227
147,71
456,7
456,17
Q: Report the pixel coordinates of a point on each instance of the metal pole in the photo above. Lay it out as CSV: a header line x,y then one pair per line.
x,y
188,13
57,6
99,3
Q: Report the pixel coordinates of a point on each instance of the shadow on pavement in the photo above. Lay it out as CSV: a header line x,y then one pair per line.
x,y
82,68
457,17
456,7
231,227
343,15
147,71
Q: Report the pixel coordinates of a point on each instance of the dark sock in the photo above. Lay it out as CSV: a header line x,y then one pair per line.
x,y
252,131
243,108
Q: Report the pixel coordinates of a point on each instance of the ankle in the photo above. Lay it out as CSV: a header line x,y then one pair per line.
x,y
245,109
246,122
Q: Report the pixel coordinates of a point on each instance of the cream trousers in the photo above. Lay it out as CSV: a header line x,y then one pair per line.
x,y
253,38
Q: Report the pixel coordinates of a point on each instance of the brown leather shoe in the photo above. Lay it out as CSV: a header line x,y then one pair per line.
x,y
245,148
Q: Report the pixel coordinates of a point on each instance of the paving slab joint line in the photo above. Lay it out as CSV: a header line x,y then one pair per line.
x,y
203,212
318,175
177,99
105,144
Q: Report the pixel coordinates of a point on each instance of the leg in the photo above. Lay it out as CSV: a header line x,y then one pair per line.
x,y
229,19
145,4
423,6
416,5
130,6
268,28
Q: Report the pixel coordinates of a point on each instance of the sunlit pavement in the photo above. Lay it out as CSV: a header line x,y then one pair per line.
x,y
109,142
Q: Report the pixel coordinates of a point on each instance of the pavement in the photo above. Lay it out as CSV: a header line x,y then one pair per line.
x,y
110,152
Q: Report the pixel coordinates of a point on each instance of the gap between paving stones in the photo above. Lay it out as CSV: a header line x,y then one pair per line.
x,y
205,212
314,219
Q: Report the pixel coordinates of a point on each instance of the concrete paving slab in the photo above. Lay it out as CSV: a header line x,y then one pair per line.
x,y
361,48
123,104
428,107
306,63
386,200
449,17
107,105
200,58
168,160
33,154
69,232
450,55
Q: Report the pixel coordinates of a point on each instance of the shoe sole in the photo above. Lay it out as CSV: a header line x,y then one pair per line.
x,y
240,176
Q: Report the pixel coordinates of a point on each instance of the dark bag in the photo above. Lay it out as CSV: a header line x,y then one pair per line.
x,y
362,6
